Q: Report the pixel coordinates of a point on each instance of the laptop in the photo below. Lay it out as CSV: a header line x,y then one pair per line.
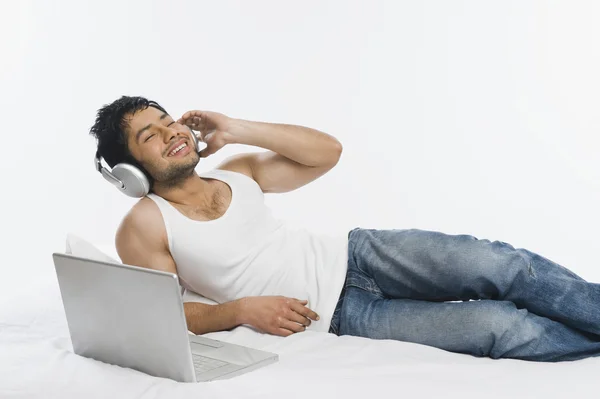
x,y
133,317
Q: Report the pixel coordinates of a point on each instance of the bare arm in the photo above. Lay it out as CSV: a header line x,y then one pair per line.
x,y
141,241
214,317
295,156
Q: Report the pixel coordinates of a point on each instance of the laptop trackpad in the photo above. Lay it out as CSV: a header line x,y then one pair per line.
x,y
234,354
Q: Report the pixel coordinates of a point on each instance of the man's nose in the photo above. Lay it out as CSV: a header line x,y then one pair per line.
x,y
170,133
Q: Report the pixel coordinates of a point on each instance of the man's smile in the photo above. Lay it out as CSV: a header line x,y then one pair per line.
x,y
179,149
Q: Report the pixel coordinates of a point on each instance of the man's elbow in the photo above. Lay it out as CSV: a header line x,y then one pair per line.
x,y
336,153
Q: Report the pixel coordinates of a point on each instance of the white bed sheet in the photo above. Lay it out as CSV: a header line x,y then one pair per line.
x,y
36,360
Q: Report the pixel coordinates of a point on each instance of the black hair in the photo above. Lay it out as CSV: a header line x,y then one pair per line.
x,y
109,130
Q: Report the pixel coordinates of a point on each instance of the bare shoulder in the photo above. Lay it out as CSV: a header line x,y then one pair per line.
x,y
240,163
141,237
144,217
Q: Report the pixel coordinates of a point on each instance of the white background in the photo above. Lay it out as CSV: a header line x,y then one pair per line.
x,y
466,117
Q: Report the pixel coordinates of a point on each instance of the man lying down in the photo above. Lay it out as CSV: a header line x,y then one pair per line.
x,y
212,228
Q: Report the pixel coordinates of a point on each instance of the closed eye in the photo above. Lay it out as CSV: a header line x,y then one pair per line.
x,y
151,135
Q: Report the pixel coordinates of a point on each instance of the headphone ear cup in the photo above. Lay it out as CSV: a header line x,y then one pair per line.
x,y
135,182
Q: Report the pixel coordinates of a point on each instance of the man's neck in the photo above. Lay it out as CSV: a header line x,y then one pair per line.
x,y
190,191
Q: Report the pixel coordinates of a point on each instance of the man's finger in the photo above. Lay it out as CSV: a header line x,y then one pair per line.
x,y
301,309
284,332
299,318
302,302
304,311
292,326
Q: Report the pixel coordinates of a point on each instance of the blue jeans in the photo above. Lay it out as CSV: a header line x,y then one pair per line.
x,y
466,295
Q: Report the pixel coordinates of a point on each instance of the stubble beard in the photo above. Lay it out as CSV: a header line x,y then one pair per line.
x,y
175,174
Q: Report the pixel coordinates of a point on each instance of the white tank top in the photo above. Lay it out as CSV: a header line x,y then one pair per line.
x,y
248,252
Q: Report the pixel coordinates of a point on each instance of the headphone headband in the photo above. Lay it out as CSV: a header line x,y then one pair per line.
x,y
112,179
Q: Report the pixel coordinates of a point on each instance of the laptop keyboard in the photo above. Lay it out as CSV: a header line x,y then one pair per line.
x,y
203,364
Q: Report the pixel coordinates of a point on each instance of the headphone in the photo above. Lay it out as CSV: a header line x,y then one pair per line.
x,y
130,179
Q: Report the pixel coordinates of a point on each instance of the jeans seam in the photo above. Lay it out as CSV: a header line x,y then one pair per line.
x,y
356,263
369,289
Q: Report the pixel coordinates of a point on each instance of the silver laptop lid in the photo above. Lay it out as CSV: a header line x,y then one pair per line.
x,y
125,315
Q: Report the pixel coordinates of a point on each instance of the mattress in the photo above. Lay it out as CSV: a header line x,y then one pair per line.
x,y
37,360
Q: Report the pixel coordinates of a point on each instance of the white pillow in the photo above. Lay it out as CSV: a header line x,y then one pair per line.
x,y
79,247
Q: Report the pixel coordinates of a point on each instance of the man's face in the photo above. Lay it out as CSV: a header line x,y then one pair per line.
x,y
153,138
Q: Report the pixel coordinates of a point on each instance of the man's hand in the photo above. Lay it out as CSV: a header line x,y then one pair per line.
x,y
277,315
213,128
